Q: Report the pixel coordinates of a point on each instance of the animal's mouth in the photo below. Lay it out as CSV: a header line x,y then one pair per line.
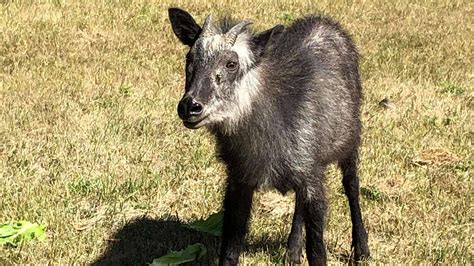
x,y
195,123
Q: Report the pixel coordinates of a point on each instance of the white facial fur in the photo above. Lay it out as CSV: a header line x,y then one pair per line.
x,y
230,112
227,113
208,46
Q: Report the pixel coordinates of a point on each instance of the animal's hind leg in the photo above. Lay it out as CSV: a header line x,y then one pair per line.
x,y
294,247
350,181
314,205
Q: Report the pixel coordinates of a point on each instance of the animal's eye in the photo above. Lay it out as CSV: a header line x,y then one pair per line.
x,y
231,65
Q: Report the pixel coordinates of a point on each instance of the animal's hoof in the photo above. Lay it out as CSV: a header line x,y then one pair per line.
x,y
362,257
293,258
361,254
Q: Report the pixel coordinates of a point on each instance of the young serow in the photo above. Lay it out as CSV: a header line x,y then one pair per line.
x,y
282,104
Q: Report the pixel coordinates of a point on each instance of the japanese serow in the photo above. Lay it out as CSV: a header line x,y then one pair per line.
x,y
282,104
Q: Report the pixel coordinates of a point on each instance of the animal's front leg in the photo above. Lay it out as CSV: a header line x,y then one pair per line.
x,y
237,206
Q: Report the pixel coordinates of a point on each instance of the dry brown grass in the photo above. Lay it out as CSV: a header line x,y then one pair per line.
x,y
89,138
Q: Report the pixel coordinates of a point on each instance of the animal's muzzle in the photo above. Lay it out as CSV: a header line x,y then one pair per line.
x,y
189,108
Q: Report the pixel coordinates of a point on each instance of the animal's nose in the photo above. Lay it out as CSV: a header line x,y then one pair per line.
x,y
189,107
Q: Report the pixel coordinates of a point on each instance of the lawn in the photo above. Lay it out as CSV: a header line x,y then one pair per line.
x,y
92,148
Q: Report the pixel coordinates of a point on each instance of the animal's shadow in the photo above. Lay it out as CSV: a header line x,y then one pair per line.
x,y
142,240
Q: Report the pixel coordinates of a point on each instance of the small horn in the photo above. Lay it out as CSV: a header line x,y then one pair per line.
x,y
207,28
231,35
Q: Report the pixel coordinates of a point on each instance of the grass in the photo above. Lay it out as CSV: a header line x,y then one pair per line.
x,y
91,146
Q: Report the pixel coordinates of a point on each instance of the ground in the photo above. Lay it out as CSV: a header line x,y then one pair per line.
x,y
91,145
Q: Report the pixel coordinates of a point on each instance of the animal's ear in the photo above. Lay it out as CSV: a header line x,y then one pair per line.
x,y
263,39
184,26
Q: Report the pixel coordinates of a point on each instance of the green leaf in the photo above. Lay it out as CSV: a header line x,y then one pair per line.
x,y
21,231
190,253
211,225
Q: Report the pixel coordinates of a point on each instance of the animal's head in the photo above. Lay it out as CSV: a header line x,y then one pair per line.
x,y
222,73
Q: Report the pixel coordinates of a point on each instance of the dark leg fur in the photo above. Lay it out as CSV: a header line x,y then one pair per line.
x,y
350,180
295,241
314,203
237,206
